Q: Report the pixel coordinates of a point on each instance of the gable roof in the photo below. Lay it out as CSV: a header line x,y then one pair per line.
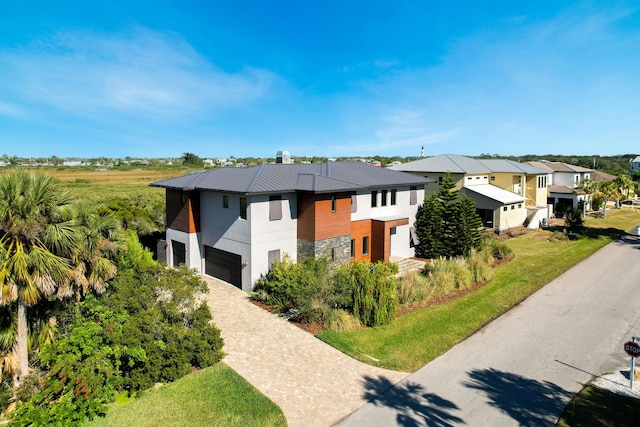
x,y
599,176
285,178
559,167
455,163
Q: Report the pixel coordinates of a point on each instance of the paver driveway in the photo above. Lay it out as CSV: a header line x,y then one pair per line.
x,y
313,383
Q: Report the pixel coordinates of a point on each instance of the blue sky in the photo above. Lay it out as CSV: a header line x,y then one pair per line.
x,y
330,78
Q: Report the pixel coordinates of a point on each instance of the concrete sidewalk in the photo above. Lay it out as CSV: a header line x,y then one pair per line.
x,y
313,383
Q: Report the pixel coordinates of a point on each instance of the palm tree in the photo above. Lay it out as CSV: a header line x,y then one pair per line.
x,y
607,190
625,184
35,235
92,258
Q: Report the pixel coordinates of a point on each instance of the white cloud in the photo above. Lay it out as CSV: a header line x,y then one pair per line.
x,y
12,110
141,72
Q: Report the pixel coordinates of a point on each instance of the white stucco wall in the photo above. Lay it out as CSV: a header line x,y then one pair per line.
x,y
269,235
514,216
192,245
253,238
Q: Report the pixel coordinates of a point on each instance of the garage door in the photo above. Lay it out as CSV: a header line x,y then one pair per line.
x,y
223,265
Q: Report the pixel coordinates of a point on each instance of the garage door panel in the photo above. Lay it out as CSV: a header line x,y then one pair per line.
x,y
223,265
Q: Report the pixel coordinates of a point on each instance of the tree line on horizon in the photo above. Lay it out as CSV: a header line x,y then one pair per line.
x,y
615,164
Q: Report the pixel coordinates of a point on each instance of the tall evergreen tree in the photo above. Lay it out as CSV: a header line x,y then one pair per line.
x,y
447,225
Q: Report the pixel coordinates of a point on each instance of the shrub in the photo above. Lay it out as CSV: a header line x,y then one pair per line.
x,y
375,297
167,321
498,250
573,218
83,369
440,275
338,320
461,273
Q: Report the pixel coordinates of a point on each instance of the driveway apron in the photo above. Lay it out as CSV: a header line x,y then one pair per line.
x,y
313,383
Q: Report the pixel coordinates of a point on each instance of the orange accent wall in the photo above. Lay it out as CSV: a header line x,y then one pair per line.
x,y
183,216
381,231
359,229
316,221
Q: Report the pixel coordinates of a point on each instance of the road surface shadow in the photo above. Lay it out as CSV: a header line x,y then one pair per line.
x,y
414,406
529,402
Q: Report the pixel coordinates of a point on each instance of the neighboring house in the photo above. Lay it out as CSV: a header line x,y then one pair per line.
x,y
564,182
507,194
634,165
232,223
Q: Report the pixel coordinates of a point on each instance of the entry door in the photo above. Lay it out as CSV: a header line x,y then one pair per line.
x,y
179,253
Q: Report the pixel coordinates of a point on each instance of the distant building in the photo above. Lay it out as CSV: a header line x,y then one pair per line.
x,y
283,157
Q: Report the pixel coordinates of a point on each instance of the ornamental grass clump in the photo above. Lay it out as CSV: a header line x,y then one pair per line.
x,y
413,287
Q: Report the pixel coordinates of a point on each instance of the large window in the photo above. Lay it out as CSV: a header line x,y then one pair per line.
x,y
243,207
275,208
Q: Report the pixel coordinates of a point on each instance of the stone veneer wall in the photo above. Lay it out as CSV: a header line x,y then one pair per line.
x,y
322,248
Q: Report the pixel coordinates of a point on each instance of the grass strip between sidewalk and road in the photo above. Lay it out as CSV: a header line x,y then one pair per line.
x,y
216,396
413,340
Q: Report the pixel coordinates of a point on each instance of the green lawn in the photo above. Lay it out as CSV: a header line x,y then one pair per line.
x,y
412,340
215,396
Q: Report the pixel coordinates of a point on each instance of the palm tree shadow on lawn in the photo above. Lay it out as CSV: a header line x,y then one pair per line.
x,y
414,406
529,402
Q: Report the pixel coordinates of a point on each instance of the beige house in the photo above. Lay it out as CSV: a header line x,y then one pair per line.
x,y
507,194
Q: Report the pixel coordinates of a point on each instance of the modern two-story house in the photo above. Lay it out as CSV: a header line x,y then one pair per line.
x,y
564,182
232,223
507,194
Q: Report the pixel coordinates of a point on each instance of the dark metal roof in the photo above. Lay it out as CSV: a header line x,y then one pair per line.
x,y
281,178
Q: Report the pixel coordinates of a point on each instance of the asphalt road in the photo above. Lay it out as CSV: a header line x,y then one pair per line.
x,y
524,368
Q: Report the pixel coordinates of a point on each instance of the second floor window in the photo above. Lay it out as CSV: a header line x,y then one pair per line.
x,y
275,208
383,196
243,207
374,198
393,197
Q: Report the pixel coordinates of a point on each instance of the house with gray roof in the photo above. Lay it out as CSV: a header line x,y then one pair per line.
x,y
507,194
232,223
564,182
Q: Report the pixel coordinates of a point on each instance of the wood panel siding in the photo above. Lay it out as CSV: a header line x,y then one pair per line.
x,y
359,229
317,220
381,238
183,210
